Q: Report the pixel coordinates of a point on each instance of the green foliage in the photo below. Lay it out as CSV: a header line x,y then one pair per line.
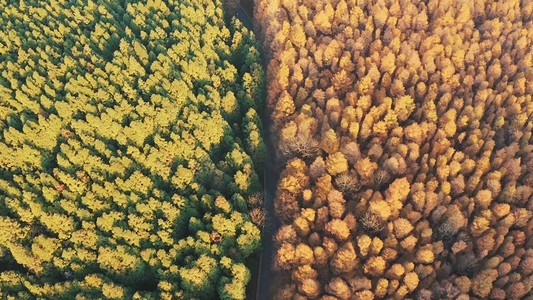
x,y
122,123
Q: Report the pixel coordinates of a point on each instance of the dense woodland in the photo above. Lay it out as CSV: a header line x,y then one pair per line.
x,y
404,136
130,150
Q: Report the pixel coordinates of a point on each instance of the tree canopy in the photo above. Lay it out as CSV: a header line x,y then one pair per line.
x,y
124,126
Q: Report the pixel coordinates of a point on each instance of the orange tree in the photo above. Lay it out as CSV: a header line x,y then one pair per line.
x,y
405,137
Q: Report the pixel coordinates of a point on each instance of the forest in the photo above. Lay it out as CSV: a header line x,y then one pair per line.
x,y
266,149
131,143
403,134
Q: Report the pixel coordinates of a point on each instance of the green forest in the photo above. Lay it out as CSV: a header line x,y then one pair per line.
x,y
266,149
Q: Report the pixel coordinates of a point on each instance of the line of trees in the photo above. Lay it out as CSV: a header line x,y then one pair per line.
x,y
130,147
405,132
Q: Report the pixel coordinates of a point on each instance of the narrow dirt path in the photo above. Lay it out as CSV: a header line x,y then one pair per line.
x,y
271,179
264,272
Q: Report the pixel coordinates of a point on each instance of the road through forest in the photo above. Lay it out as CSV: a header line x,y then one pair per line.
x,y
271,224
270,178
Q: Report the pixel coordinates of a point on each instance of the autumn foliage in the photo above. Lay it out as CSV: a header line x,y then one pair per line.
x,y
130,148
405,129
